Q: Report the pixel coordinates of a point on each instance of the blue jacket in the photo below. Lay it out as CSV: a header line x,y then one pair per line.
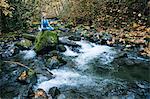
x,y
45,25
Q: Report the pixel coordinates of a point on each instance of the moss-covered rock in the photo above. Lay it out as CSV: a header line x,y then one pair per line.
x,y
46,41
25,44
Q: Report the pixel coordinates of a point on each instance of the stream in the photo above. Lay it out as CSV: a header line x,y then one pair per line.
x,y
85,70
88,74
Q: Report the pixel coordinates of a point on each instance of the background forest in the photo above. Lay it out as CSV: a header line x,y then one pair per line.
x,y
20,14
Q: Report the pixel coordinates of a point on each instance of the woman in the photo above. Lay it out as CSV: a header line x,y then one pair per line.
x,y
45,25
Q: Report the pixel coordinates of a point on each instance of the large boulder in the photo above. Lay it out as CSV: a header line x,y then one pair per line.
x,y
46,41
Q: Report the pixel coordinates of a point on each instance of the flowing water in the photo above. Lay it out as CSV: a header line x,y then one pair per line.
x,y
83,78
90,74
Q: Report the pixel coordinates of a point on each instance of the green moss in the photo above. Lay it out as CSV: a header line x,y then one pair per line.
x,y
25,43
46,39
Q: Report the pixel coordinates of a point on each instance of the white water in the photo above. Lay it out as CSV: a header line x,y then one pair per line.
x,y
88,51
28,54
69,52
91,51
65,77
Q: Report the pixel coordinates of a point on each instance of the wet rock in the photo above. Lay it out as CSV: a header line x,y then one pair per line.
x,y
27,77
122,55
30,93
54,92
75,49
14,50
74,38
11,51
46,41
106,38
94,39
40,94
55,62
103,41
10,86
9,91
61,48
66,41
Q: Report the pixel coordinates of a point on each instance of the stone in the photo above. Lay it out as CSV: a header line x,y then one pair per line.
x,y
27,77
40,94
30,93
14,50
94,38
107,36
121,55
24,44
46,41
103,42
67,42
55,62
61,48
74,38
54,92
10,51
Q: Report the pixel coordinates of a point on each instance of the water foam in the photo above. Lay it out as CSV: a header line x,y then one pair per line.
x,y
62,77
89,51
69,52
28,54
74,79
